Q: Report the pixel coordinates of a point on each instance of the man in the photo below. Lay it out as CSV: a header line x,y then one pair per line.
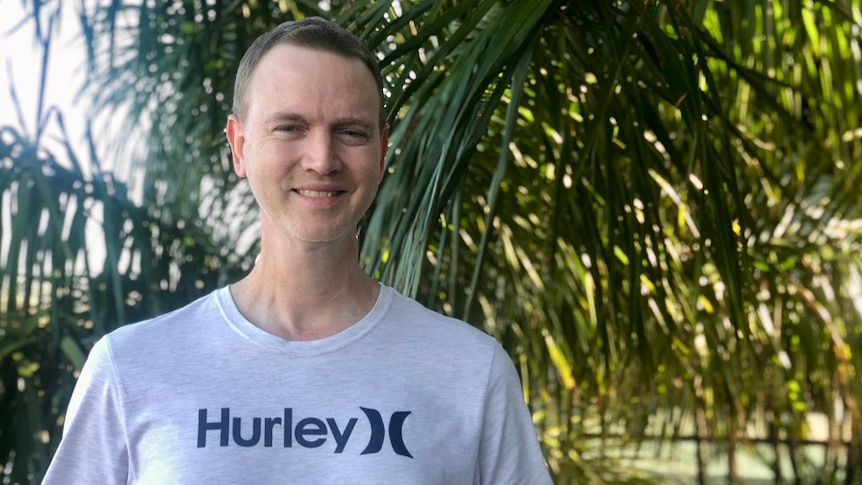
x,y
307,371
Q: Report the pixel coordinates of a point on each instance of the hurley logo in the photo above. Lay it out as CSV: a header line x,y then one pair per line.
x,y
307,433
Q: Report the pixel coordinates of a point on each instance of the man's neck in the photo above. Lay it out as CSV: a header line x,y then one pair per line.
x,y
306,294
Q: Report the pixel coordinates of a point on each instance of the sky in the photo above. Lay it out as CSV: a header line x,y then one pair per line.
x,y
20,66
20,54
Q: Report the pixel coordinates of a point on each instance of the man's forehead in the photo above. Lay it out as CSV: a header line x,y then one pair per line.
x,y
276,55
288,71
290,63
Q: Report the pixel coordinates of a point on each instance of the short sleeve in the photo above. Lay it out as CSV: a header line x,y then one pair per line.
x,y
93,448
509,452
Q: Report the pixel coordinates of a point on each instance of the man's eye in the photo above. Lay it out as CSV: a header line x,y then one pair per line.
x,y
288,128
355,134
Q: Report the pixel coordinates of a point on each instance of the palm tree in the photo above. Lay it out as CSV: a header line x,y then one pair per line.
x,y
651,204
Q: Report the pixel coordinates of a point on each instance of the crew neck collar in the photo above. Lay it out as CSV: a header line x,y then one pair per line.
x,y
260,337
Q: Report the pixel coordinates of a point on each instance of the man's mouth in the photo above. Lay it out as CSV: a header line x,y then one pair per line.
x,y
317,194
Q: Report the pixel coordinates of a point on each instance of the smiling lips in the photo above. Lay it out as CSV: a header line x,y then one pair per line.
x,y
317,194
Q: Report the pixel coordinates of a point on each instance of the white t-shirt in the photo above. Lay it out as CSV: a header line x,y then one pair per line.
x,y
202,396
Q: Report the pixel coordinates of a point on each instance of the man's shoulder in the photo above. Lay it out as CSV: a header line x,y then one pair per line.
x,y
417,319
169,325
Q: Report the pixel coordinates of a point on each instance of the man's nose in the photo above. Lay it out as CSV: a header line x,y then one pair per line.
x,y
319,154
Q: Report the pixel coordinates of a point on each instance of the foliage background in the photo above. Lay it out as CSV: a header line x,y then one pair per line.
x,y
652,204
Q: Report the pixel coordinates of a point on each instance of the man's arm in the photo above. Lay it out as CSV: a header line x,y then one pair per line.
x,y
93,449
509,452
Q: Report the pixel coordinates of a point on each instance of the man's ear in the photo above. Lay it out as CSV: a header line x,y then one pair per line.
x,y
384,144
236,139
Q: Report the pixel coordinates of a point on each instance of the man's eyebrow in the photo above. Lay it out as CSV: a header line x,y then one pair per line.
x,y
350,121
286,116
282,116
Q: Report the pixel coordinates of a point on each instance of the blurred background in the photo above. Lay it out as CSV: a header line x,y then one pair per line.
x,y
654,205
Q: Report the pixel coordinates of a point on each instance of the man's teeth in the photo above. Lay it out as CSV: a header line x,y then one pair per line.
x,y
317,193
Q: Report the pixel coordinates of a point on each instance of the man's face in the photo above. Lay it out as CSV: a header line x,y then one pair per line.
x,y
310,143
